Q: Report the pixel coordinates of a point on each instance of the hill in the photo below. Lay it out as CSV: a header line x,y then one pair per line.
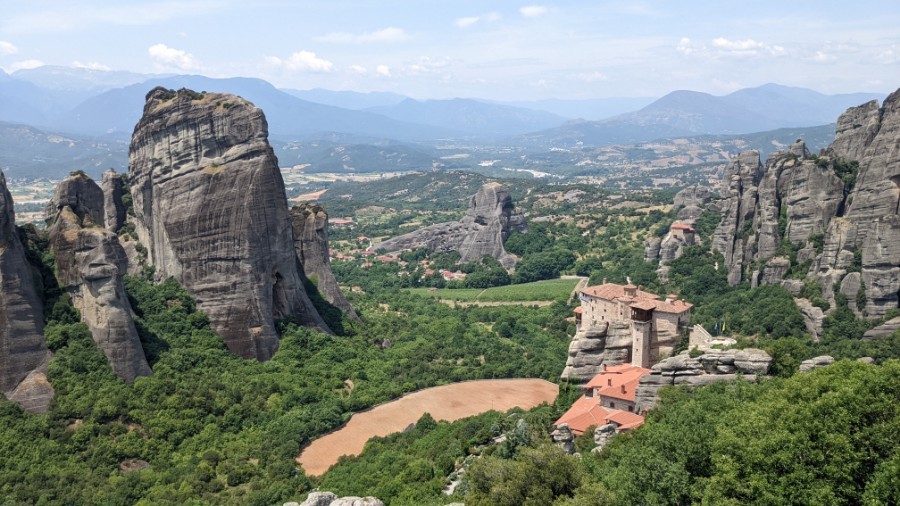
x,y
28,152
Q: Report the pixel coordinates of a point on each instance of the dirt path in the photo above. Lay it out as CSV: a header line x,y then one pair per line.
x,y
448,402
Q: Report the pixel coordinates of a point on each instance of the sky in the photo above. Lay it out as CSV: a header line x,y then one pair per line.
x,y
500,50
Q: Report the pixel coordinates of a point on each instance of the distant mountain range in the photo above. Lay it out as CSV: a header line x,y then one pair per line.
x,y
346,130
685,113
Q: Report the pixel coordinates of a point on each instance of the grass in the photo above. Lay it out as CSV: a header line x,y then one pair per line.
x,y
549,290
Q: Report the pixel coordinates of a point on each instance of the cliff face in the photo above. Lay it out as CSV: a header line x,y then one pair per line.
x,y
310,226
210,207
23,351
842,218
90,264
113,190
489,220
591,349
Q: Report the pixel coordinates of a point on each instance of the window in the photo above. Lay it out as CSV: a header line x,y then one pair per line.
x,y
612,404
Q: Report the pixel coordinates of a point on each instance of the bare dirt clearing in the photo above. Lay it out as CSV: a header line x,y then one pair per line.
x,y
447,402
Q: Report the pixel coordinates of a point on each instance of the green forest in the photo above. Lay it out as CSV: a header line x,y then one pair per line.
x,y
210,428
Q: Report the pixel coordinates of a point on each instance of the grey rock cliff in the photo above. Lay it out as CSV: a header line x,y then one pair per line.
x,y
23,351
90,264
211,209
593,348
310,226
816,204
489,220
711,367
330,499
113,186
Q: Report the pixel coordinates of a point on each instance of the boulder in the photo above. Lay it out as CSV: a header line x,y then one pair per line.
x,y
564,438
813,318
90,263
603,435
489,220
815,362
885,329
23,350
330,499
210,207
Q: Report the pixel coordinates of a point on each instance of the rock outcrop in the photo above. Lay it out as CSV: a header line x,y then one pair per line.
x,y
23,350
815,363
841,209
593,348
330,499
488,222
711,367
113,186
884,330
310,226
563,437
210,207
90,264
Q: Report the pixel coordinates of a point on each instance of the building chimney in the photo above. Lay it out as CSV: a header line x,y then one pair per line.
x,y
671,298
604,367
604,281
609,382
623,389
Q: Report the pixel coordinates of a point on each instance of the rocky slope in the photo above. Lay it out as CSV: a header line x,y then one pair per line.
x,y
839,211
310,227
488,222
113,186
90,264
23,351
211,209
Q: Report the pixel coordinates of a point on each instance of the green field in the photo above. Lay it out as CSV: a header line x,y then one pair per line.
x,y
549,290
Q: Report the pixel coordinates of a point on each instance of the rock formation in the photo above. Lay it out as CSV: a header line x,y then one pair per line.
x,y
487,223
330,499
593,348
711,367
840,209
113,186
885,329
563,437
210,207
815,363
23,351
90,264
310,226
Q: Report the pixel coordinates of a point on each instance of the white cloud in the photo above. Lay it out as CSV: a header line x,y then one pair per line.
x,y
383,70
531,11
90,66
590,77
468,21
889,56
24,64
685,46
7,48
426,65
746,47
359,69
169,57
722,47
304,61
823,57
389,34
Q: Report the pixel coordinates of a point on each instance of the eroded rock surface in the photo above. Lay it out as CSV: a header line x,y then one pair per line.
x,y
488,222
330,499
839,208
113,186
23,350
593,348
711,367
815,363
90,264
211,210
310,225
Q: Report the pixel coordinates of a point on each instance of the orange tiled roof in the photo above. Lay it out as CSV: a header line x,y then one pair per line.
x,y
680,226
578,310
641,299
618,382
587,411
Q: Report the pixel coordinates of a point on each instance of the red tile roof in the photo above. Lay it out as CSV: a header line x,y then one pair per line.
x,y
679,226
641,299
618,382
587,411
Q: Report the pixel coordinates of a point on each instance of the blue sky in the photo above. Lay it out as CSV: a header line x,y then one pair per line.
x,y
497,50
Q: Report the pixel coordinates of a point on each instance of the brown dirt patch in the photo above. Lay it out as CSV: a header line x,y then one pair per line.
x,y
448,402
